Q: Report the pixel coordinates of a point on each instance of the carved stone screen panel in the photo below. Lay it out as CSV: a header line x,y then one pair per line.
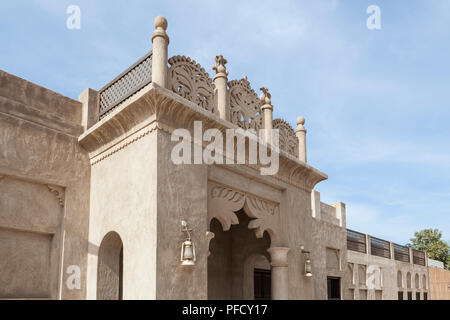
x,y
189,80
245,107
288,139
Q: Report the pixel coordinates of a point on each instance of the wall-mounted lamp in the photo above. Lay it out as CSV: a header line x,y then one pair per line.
x,y
308,267
187,247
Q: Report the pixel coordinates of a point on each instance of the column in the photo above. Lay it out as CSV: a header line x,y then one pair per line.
x,y
300,132
220,81
279,269
160,41
267,109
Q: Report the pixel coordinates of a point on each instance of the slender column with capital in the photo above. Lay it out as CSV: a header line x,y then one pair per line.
x,y
267,109
160,41
279,269
300,132
220,81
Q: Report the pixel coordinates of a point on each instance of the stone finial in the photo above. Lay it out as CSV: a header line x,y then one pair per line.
x,y
220,65
300,123
265,96
160,23
160,28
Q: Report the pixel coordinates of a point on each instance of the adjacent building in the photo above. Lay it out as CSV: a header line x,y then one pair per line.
x,y
439,280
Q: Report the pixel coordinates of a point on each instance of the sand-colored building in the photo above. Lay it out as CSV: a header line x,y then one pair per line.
x,y
439,280
92,202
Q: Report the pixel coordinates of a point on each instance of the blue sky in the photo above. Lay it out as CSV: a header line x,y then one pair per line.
x,y
375,101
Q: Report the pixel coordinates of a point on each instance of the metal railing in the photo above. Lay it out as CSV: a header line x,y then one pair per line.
x,y
125,85
356,241
401,253
418,257
380,248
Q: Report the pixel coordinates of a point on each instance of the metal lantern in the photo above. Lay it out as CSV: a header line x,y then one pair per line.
x,y
308,269
187,248
188,253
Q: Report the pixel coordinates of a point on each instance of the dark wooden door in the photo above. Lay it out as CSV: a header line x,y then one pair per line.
x,y
262,282
334,288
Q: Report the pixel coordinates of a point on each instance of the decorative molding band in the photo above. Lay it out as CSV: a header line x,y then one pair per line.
x,y
58,192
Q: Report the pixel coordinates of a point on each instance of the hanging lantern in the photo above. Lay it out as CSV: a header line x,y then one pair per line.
x,y
308,268
188,253
187,248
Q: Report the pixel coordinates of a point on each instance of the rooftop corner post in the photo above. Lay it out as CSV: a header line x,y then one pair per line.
x,y
160,41
220,81
267,109
300,132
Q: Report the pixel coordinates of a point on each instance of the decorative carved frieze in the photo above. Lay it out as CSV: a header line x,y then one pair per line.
x,y
58,192
245,106
223,203
288,139
189,80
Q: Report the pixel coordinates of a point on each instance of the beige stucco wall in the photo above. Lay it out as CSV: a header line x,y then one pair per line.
x,y
123,199
44,175
181,195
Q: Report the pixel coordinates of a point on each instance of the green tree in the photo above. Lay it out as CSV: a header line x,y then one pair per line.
x,y
429,240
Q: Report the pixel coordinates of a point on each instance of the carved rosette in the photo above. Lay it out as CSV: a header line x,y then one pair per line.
x,y
245,107
223,203
189,80
288,139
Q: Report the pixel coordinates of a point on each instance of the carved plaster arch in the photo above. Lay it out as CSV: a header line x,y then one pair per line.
x,y
223,202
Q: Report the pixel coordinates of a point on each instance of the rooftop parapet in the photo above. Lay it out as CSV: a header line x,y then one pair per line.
x,y
234,101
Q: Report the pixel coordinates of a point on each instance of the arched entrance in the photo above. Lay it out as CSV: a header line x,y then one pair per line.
x,y
231,264
110,268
